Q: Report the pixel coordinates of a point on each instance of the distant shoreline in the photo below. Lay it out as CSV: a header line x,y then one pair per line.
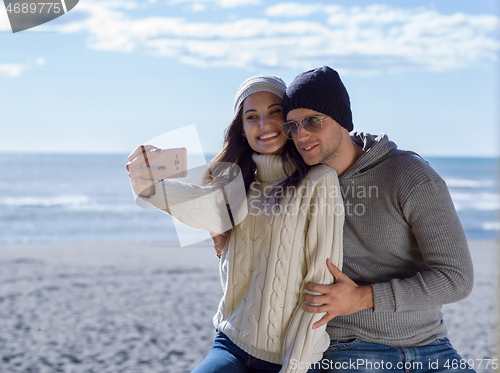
x,y
211,155
171,244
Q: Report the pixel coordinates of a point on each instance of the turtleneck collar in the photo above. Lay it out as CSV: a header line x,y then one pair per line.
x,y
269,167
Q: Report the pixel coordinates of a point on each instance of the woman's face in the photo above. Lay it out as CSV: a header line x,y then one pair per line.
x,y
262,121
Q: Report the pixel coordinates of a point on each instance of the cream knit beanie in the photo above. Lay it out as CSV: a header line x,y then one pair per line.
x,y
259,83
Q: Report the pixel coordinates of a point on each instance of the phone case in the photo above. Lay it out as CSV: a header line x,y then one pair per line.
x,y
171,162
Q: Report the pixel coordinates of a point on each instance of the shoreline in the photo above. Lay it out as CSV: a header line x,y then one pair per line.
x,y
474,244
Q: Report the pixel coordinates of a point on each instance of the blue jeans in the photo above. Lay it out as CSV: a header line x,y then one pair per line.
x,y
226,357
357,356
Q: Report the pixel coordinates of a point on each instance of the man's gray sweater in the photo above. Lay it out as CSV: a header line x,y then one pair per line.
x,y
402,235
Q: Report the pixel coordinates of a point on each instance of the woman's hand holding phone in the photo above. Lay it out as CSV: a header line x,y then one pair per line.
x,y
148,165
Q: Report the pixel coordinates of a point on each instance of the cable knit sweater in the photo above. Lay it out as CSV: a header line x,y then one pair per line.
x,y
270,257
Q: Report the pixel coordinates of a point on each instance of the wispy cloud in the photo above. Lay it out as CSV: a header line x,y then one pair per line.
x,y
198,4
299,10
11,70
14,70
356,40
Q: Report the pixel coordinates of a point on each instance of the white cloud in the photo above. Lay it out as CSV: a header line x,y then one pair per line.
x,y
40,61
14,70
198,7
120,4
356,40
11,70
220,3
297,10
235,3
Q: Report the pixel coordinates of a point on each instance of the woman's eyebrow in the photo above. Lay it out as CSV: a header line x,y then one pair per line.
x,y
274,105
249,110
270,106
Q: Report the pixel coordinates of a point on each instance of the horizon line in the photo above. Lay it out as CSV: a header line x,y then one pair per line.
x,y
2,152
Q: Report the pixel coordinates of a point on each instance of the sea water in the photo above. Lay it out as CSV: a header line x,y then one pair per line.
x,y
68,197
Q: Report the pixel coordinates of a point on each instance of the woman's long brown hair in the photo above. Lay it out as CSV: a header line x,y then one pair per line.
x,y
236,150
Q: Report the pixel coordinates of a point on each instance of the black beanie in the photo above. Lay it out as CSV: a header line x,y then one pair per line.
x,y
320,90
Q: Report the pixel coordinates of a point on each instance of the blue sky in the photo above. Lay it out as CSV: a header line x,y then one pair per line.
x,y
111,74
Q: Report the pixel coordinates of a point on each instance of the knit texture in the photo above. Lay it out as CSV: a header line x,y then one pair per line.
x,y
269,259
402,235
259,83
320,90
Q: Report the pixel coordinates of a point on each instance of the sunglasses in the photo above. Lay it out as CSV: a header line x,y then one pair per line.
x,y
310,124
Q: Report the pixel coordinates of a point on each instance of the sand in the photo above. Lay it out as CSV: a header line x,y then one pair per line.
x,y
131,307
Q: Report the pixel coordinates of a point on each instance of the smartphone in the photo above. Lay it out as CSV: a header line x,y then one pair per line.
x,y
171,163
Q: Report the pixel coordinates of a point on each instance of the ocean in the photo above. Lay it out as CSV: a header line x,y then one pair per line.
x,y
85,198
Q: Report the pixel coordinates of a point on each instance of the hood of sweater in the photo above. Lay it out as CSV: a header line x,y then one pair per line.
x,y
377,150
269,167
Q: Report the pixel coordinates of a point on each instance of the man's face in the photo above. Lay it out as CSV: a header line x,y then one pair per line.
x,y
324,146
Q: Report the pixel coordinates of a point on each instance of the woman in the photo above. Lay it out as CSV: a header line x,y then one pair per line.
x,y
294,223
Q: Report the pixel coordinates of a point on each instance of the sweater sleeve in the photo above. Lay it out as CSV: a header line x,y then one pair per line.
x,y
448,276
302,344
200,207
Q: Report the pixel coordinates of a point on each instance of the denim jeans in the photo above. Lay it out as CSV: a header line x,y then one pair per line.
x,y
357,356
226,357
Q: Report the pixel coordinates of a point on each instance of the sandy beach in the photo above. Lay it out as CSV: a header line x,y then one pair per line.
x,y
129,307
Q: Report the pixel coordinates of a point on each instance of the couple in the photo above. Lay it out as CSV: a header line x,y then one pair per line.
x,y
402,249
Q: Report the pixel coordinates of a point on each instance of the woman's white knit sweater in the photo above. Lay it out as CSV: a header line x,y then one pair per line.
x,y
269,259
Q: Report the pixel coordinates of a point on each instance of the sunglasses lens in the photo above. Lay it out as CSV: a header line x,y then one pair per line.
x,y
289,129
312,124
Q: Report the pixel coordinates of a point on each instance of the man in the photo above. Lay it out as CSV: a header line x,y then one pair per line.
x,y
405,251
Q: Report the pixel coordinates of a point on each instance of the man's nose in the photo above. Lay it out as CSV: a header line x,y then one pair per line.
x,y
302,133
